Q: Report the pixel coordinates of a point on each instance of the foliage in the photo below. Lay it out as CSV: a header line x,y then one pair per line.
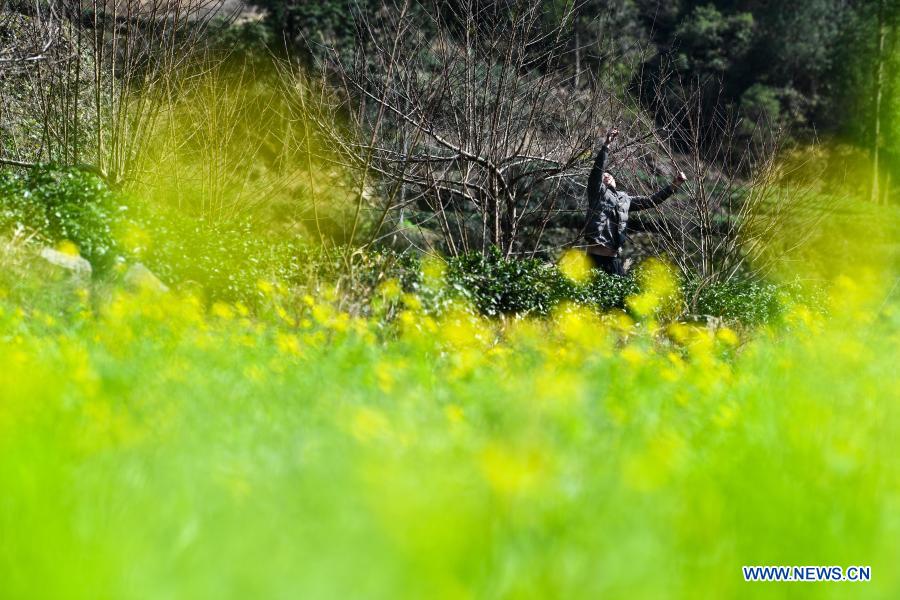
x,y
229,260
308,26
498,286
747,301
248,39
225,259
710,43
63,204
313,420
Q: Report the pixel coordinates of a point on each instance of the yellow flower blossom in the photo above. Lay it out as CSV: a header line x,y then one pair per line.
x,y
433,270
284,316
222,311
575,265
384,377
652,467
633,356
727,336
288,344
68,247
265,287
390,290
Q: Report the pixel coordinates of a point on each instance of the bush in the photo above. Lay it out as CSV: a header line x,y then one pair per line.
x,y
497,286
529,286
63,204
229,259
226,259
748,301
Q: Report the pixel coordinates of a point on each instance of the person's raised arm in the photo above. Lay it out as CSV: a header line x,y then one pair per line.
x,y
645,202
595,180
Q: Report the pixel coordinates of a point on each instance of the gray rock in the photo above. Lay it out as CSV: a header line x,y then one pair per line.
x,y
714,323
140,277
78,266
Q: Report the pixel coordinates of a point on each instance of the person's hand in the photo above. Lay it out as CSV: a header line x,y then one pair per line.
x,y
610,136
679,179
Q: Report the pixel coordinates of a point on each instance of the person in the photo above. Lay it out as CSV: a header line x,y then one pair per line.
x,y
608,210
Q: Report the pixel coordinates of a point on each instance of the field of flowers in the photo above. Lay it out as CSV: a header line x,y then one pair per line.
x,y
151,446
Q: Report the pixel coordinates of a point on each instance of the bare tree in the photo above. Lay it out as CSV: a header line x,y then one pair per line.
x,y
29,34
745,195
469,111
28,31
105,71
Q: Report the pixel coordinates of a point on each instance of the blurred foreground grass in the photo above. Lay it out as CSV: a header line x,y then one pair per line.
x,y
153,448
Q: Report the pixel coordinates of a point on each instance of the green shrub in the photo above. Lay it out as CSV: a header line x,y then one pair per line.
x,y
228,259
748,301
63,204
225,259
497,286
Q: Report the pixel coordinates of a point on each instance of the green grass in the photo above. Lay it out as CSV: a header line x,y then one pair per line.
x,y
150,448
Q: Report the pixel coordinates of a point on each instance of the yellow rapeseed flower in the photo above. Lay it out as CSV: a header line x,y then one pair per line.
x,y
254,373
390,290
288,344
384,377
659,289
433,269
575,265
222,310
652,467
462,330
135,239
265,287
632,355
68,247
580,325
284,316
727,336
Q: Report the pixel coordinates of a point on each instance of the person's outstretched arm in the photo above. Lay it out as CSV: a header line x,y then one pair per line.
x,y
595,179
645,202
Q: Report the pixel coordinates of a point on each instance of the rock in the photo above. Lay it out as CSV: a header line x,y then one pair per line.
x,y
714,323
140,277
78,266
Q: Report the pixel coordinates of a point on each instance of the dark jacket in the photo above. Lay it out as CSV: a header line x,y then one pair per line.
x,y
608,209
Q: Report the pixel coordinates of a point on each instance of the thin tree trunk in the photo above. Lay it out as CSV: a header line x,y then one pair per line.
x,y
577,57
